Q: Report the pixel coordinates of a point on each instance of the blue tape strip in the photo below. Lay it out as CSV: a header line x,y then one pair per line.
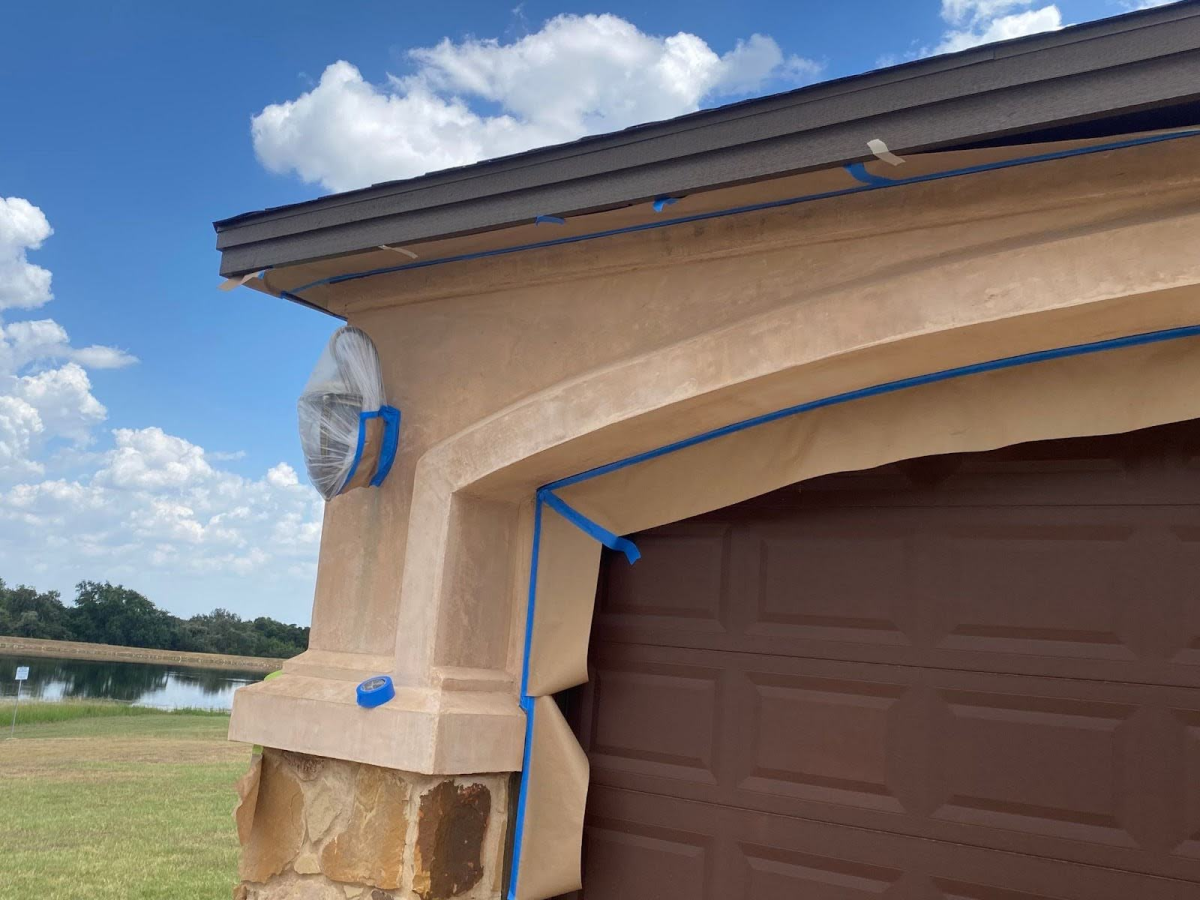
x,y
733,211
858,171
526,700
661,203
358,451
387,450
549,220
391,440
608,539
586,525
889,387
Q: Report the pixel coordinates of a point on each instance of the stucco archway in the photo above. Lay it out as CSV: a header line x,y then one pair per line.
x,y
1111,386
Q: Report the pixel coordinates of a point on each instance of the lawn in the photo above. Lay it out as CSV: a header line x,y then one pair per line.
x,y
118,807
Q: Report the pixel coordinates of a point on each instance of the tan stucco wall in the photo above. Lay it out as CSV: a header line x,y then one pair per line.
x,y
517,370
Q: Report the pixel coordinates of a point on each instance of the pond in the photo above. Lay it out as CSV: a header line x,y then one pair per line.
x,y
142,684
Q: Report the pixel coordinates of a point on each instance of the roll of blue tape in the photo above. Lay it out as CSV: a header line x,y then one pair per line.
x,y
375,691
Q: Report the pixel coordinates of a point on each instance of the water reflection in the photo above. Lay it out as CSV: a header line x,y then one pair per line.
x,y
144,684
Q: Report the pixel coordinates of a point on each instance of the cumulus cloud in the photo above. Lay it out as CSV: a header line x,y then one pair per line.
x,y
137,505
975,22
156,512
576,76
23,227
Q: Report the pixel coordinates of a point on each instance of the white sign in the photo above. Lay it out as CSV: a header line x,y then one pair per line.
x,y
22,673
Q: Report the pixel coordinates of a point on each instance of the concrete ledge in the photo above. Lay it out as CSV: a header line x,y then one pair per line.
x,y
422,730
338,666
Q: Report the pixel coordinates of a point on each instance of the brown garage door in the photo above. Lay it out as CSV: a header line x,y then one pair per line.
x,y
972,676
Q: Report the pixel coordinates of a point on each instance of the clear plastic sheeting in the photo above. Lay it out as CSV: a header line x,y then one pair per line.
x,y
345,383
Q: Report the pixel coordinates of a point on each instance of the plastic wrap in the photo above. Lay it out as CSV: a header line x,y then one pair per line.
x,y
345,383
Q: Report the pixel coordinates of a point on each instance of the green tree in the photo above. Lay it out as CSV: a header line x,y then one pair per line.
x,y
105,613
27,613
113,614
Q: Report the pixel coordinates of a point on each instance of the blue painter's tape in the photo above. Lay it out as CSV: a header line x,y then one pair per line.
x,y
391,440
387,450
661,203
358,450
375,691
549,220
586,525
526,700
1134,340
734,211
859,172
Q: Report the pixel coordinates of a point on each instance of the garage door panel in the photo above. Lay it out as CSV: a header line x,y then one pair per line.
x,y
829,584
636,860
1087,771
749,855
681,701
963,677
1109,593
679,585
818,738
1057,766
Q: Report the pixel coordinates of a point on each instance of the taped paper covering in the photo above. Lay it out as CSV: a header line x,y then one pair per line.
x,y
1106,392
345,383
549,860
563,614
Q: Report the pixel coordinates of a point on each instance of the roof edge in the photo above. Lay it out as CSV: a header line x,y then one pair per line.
x,y
1100,70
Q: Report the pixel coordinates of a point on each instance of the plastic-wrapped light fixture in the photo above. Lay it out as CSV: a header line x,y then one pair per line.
x,y
343,395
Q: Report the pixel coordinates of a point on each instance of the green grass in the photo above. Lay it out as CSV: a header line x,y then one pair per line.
x,y
122,806
30,712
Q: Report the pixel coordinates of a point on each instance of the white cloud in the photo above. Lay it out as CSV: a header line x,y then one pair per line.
x,y
63,400
136,505
44,340
149,459
970,12
23,227
282,476
157,515
975,22
578,75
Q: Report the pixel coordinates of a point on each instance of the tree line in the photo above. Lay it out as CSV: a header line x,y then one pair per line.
x,y
114,614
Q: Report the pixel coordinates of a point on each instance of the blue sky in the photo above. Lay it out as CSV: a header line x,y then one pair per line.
x,y
127,128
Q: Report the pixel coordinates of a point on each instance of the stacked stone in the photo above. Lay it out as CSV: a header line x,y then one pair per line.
x,y
325,829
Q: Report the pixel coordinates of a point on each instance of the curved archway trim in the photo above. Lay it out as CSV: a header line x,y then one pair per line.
x,y
1100,387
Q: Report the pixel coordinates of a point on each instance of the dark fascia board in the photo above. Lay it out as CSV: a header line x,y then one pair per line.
x,y
1104,69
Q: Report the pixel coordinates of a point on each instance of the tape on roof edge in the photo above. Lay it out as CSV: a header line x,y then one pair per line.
x,y
549,220
230,283
880,149
876,183
859,172
403,250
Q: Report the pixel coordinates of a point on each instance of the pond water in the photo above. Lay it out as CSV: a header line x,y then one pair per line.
x,y
142,684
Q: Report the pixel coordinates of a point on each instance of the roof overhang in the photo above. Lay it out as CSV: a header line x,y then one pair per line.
x,y
1131,73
